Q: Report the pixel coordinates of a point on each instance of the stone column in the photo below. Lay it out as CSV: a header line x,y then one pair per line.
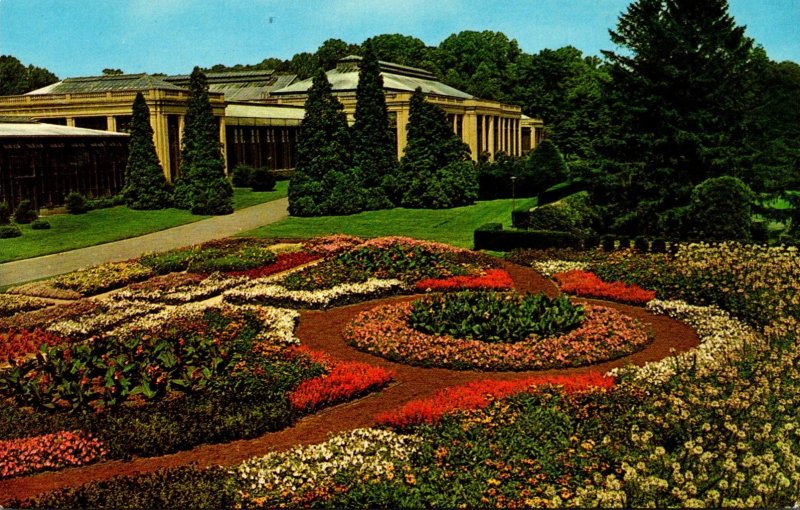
x,y
111,122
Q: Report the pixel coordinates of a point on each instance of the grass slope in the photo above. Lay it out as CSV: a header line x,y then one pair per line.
x,y
72,231
452,226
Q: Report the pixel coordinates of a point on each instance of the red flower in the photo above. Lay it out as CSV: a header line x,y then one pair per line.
x,y
283,262
584,283
479,394
492,279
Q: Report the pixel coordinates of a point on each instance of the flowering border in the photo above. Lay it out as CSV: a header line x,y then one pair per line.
x,y
273,294
479,394
492,279
605,334
51,451
587,284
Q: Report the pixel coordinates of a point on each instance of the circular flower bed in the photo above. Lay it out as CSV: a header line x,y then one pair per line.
x,y
603,335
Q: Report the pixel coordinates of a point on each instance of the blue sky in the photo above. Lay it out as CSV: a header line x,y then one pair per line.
x,y
81,37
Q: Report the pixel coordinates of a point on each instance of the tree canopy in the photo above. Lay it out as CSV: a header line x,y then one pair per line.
x,y
202,185
16,78
145,184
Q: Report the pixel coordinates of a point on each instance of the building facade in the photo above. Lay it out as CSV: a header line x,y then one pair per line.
x,y
259,113
44,163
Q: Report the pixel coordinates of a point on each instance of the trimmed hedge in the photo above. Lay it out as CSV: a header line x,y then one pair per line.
x,y
560,191
9,231
491,236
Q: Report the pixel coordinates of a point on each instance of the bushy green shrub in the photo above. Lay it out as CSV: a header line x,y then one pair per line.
x,y
76,203
641,244
5,213
25,212
720,209
105,202
571,214
40,225
624,242
494,317
9,231
591,241
240,176
182,487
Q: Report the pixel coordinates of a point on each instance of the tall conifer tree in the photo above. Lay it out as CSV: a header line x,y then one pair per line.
x,y
374,152
680,95
323,182
436,171
145,184
202,185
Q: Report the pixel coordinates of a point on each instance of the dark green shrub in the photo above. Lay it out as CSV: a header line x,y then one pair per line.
x,y
25,212
40,225
494,317
76,203
9,231
105,202
659,245
182,487
246,257
5,213
759,232
168,262
240,176
624,242
547,167
505,240
720,209
608,242
641,244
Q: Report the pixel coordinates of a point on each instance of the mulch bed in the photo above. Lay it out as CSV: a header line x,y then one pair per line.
x,y
321,330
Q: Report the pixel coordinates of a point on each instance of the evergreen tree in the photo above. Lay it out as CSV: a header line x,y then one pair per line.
x,y
436,171
323,182
545,166
679,94
202,186
145,184
374,153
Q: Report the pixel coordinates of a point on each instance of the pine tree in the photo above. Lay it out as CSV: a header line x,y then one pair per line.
x,y
145,184
679,97
436,171
374,153
202,186
323,182
545,166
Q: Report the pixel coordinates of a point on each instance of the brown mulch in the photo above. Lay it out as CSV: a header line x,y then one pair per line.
x,y
321,330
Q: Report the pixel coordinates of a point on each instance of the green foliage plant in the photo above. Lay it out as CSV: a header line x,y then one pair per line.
x,y
608,242
25,212
435,171
323,182
9,231
641,244
721,209
40,225
76,203
373,145
495,317
202,186
262,180
240,176
146,186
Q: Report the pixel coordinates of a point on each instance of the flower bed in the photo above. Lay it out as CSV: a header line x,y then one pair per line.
x,y
52,451
605,334
478,395
109,314
363,454
40,319
11,304
187,292
345,380
582,283
274,294
283,262
95,280
214,256
492,279
21,343
44,289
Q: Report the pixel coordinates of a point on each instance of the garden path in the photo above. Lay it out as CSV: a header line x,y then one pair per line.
x,y
201,231
322,330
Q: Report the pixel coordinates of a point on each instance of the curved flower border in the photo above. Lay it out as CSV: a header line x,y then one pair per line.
x,y
605,334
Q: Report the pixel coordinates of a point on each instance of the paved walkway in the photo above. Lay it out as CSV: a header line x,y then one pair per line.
x,y
192,233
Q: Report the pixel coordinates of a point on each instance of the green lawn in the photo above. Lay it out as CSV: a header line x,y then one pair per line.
x,y
72,231
452,226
